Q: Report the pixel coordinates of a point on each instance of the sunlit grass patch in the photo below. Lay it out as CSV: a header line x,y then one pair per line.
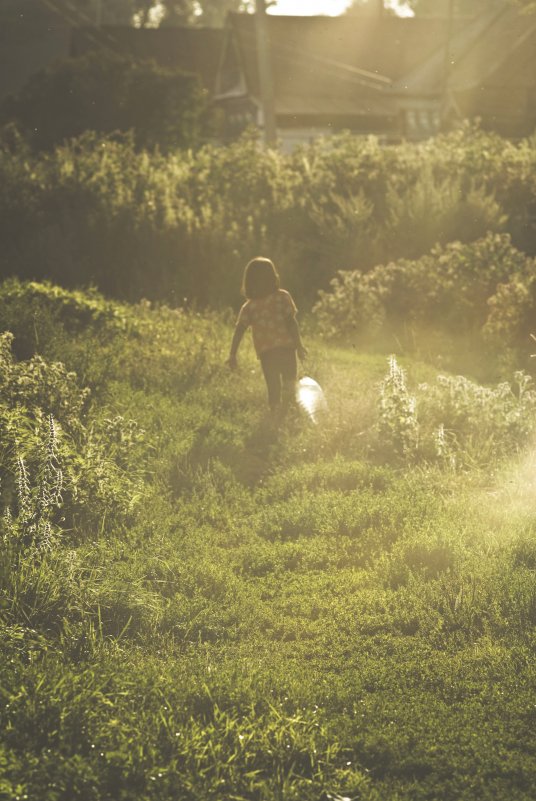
x,y
234,608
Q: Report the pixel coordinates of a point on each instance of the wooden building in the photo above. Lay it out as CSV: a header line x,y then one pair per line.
x,y
385,75
488,73
397,78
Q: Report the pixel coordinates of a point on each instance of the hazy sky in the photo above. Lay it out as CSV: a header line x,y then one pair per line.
x,y
312,7
309,7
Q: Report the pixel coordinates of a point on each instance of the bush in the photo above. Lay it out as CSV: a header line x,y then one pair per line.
x,y
45,424
510,324
183,225
43,317
104,92
454,420
466,291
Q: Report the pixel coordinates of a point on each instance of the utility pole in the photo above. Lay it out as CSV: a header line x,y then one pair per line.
x,y
447,63
265,73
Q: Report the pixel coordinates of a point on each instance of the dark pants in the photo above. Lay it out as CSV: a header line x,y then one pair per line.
x,y
280,371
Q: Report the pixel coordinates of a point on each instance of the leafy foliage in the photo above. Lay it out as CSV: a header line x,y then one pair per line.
x,y
79,12
205,12
454,419
480,293
107,93
123,12
169,227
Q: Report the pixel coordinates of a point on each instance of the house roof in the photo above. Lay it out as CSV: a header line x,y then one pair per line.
x,y
190,49
487,49
336,65
493,49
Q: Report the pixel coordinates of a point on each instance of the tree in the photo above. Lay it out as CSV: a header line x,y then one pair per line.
x,y
122,12
72,12
106,93
369,7
440,8
203,12
462,8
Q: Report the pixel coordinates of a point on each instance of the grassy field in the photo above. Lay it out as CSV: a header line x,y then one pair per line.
x,y
202,605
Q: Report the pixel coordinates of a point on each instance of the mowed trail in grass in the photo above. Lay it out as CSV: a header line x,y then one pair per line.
x,y
269,613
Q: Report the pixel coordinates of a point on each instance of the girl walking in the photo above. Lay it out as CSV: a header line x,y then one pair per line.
x,y
271,313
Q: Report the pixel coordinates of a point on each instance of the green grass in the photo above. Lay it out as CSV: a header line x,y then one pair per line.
x,y
235,611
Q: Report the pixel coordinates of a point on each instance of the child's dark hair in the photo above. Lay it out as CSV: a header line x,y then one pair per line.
x,y
260,278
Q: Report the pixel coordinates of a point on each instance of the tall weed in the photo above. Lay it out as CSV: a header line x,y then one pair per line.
x,y
454,419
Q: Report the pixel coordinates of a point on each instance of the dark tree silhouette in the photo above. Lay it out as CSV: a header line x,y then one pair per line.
x,y
437,8
204,12
106,93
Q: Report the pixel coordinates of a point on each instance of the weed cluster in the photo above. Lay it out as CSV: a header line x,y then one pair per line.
x,y
454,419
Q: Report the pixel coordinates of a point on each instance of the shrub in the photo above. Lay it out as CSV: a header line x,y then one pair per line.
x,y
43,318
476,422
454,420
452,290
101,459
510,324
104,92
96,211
38,384
398,428
436,210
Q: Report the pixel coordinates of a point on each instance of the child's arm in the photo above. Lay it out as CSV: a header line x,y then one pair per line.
x,y
240,330
294,331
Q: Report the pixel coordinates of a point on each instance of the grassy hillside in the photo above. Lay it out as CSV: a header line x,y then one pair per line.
x,y
197,604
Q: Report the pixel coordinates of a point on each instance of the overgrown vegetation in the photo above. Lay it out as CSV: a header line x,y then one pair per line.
x,y
181,226
195,604
109,94
477,299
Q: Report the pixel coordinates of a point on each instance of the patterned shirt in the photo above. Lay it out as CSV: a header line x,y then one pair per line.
x,y
268,317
